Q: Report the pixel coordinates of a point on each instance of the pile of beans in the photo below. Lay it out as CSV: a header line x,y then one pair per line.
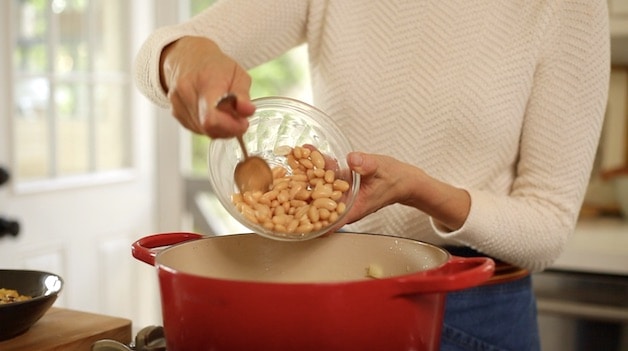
x,y
304,198
9,295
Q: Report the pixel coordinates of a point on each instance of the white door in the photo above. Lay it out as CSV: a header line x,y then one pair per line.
x,y
77,140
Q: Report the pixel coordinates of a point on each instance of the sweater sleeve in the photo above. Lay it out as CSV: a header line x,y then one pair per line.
x,y
560,133
250,31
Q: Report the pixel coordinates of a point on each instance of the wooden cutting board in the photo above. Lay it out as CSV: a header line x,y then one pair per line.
x,y
67,330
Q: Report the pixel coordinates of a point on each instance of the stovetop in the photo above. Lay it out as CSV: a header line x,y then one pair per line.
x,y
148,339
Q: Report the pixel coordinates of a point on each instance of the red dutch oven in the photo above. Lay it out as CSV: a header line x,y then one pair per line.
x,y
345,291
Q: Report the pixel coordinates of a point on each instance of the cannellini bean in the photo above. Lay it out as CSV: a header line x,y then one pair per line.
x,y
249,198
321,190
305,228
318,173
284,195
279,211
296,188
269,196
336,195
317,159
281,219
292,162
313,214
303,194
261,211
278,172
301,212
341,207
292,226
330,176
237,197
341,185
297,203
296,152
299,178
306,163
281,186
249,213
315,181
325,203
324,213
299,171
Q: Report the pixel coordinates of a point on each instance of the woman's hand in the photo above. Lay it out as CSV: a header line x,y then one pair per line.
x,y
195,73
385,180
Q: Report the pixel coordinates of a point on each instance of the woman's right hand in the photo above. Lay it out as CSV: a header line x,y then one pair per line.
x,y
195,73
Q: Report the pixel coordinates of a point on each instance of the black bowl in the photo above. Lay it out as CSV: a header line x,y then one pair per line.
x,y
17,317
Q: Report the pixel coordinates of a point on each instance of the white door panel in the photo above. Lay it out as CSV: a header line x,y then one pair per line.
x,y
80,222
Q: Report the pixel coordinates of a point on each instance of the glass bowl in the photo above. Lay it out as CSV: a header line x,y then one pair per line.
x,y
278,123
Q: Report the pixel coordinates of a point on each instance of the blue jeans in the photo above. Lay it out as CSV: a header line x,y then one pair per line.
x,y
499,317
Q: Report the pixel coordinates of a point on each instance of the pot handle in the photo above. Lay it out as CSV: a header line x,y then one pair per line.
x,y
457,274
146,248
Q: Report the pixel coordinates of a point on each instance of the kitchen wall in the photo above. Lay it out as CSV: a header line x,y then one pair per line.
x,y
608,190
618,11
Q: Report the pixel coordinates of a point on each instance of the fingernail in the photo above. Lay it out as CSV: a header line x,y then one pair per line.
x,y
355,158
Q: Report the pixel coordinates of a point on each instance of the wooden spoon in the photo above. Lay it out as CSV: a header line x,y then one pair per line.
x,y
252,173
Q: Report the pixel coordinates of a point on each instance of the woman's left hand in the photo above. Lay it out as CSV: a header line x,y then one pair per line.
x,y
386,180
381,177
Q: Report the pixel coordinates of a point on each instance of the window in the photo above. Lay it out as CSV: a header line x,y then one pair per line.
x,y
72,88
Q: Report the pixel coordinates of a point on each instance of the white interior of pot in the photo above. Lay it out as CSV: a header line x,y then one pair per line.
x,y
335,258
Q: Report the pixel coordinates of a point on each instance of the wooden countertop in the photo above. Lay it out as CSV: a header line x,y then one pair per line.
x,y
68,330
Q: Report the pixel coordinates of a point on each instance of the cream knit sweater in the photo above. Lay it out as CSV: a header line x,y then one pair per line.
x,y
503,98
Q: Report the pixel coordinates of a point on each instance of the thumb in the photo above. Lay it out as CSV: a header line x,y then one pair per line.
x,y
362,163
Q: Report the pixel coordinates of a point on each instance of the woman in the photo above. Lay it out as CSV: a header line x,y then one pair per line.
x,y
476,121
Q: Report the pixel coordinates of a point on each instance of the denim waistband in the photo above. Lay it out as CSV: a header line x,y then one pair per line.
x,y
464,251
